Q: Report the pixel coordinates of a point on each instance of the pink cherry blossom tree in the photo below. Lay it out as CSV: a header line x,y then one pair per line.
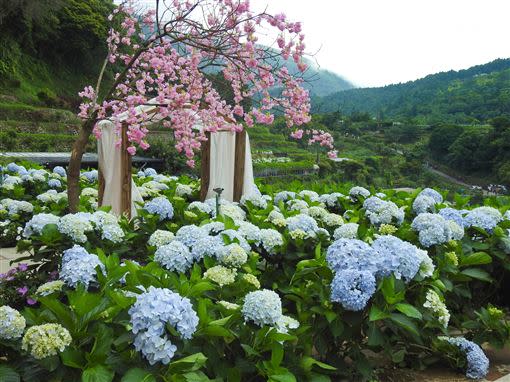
x,y
319,139
164,55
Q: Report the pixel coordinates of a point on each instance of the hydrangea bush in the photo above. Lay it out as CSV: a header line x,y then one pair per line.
x,y
286,285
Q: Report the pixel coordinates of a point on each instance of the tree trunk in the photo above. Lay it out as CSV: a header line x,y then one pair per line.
x,y
73,171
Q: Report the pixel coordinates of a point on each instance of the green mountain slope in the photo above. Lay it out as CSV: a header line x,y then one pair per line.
x,y
466,96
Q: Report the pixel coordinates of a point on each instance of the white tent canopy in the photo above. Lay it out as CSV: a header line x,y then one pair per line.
x,y
110,162
221,169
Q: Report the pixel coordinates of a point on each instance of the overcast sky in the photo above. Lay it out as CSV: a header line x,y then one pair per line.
x,y
378,42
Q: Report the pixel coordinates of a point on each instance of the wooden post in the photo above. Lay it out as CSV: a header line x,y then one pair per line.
x,y
205,167
239,161
125,169
100,178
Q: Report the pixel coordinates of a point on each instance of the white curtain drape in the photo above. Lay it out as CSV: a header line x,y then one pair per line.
x,y
221,170
109,160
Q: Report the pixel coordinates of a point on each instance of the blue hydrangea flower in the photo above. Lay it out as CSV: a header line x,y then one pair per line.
x,y
432,229
150,172
13,167
151,313
284,196
207,246
160,206
351,254
382,212
174,256
155,348
303,222
78,266
38,222
233,236
438,198
190,234
214,227
454,215
263,307
357,191
59,170
112,232
54,183
91,176
423,203
484,217
397,256
250,232
331,200
477,361
353,288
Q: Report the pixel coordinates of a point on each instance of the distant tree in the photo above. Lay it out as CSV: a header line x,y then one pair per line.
x,y
442,137
470,150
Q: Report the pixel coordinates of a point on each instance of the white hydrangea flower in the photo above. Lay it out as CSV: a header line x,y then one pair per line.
x,y
146,192
427,265
46,340
255,199
202,207
233,211
357,191
38,222
251,279
312,195
233,255
12,323
221,275
14,207
331,200
270,239
438,307
333,220
263,307
49,288
160,237
317,212
346,231
285,323
228,305
10,181
113,233
155,186
75,226
51,196
297,205
102,218
277,218
183,190
89,192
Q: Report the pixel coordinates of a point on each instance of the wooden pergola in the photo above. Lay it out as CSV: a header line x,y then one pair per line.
x,y
126,169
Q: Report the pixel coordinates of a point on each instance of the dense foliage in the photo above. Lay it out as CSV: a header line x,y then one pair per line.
x,y
50,48
467,96
287,285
